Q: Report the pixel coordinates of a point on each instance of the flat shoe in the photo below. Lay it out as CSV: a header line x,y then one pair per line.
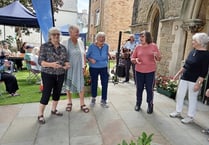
x,y
69,107
41,119
56,112
84,108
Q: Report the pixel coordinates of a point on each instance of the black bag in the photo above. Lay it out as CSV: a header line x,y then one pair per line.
x,y
121,71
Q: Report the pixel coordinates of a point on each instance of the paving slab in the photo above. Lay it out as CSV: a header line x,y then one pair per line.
x,y
103,126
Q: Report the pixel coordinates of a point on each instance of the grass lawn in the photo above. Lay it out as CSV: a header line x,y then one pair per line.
x,y
28,92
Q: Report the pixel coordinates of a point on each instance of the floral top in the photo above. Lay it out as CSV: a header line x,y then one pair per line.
x,y
50,54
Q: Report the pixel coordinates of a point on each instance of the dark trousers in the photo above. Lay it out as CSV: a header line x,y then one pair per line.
x,y
128,65
10,82
146,80
94,73
51,83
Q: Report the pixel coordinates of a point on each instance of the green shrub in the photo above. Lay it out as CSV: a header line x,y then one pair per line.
x,y
144,139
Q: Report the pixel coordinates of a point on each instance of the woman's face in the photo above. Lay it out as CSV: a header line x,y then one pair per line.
x,y
195,44
74,33
143,39
55,37
100,40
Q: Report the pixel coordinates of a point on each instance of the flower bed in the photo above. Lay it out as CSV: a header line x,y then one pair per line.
x,y
166,86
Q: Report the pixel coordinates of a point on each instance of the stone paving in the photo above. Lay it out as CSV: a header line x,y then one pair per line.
x,y
102,126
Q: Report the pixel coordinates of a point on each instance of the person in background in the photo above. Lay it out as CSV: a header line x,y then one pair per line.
x,y
192,76
54,63
97,56
27,56
9,79
144,57
23,48
74,82
34,57
127,51
7,51
206,130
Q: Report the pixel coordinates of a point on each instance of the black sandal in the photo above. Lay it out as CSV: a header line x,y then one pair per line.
x,y
41,119
84,108
56,112
69,107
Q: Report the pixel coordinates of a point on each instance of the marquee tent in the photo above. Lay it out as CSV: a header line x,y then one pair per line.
x,y
15,14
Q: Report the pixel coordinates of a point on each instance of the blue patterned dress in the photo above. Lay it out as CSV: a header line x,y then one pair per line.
x,y
74,80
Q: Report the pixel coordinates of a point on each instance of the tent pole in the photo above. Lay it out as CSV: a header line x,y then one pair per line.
x,y
4,33
52,14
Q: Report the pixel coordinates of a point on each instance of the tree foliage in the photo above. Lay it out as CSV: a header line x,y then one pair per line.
x,y
28,4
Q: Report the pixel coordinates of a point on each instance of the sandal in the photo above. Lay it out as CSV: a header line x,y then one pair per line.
x,y
41,119
56,112
84,108
69,107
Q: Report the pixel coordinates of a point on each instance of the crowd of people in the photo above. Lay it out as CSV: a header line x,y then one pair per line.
x,y
64,63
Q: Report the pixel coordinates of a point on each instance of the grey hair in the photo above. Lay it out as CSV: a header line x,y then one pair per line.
x,y
73,27
53,30
99,34
35,51
201,38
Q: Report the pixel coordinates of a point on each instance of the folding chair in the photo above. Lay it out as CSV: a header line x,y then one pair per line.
x,y
33,73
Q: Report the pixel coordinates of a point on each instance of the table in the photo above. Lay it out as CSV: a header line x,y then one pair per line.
x,y
17,61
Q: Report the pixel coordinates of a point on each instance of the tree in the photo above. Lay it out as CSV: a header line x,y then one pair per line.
x,y
28,4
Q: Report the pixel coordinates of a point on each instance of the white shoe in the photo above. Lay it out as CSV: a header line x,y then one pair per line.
x,y
175,114
187,120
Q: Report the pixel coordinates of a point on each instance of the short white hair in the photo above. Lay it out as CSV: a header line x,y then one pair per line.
x,y
53,30
99,34
201,38
35,51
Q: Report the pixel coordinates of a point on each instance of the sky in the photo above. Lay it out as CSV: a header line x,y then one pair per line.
x,y
83,4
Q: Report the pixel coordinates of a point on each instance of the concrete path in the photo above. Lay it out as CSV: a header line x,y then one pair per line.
x,y
102,126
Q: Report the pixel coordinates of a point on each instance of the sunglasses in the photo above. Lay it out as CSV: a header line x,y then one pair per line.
x,y
55,34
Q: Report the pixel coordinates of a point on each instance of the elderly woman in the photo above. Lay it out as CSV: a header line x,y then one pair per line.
x,y
74,81
192,75
97,55
144,57
54,62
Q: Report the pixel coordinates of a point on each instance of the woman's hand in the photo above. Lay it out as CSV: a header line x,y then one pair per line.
x,y
56,65
196,87
91,60
66,66
207,93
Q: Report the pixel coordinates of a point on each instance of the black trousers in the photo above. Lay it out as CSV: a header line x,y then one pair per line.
x,y
128,65
52,85
10,82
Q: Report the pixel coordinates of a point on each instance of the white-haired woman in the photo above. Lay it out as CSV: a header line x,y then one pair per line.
x,y
192,75
97,55
54,62
74,81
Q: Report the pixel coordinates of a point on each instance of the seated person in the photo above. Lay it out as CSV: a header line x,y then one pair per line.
x,y
6,50
9,80
34,58
27,56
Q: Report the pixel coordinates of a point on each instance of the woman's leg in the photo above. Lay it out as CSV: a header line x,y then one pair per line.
x,y
10,82
180,95
104,83
57,91
140,80
94,81
192,96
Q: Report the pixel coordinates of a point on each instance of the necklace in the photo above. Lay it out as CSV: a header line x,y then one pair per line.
x,y
194,53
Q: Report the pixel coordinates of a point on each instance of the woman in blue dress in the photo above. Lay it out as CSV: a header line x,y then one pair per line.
x,y
74,81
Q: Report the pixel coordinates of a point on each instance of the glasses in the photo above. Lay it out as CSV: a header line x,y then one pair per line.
x,y
55,34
